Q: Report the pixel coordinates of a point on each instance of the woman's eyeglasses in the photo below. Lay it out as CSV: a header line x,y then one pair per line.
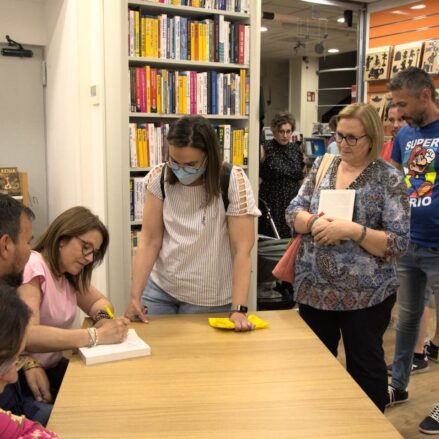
x,y
87,248
285,132
350,140
189,169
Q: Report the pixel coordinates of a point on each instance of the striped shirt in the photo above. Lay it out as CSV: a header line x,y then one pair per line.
x,y
195,262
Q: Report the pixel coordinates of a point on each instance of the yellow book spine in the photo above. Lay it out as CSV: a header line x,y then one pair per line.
x,y
181,94
192,41
155,38
137,32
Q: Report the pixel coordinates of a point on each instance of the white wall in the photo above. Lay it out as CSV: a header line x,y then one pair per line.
x,y
23,21
75,127
274,80
303,78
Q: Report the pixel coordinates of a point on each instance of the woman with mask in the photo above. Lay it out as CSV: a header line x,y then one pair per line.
x,y
193,253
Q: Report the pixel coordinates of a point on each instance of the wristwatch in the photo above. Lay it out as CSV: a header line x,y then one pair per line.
x,y
239,308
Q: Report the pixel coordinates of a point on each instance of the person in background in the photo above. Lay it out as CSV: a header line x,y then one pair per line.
x,y
332,144
416,150
396,122
56,280
281,171
14,319
193,253
345,275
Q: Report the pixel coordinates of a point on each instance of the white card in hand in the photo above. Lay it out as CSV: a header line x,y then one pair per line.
x,y
337,203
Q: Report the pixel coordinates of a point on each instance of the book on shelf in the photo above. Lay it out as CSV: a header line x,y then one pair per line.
x,y
10,182
242,6
132,347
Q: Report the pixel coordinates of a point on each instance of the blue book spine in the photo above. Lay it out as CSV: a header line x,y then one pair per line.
x,y
214,93
183,38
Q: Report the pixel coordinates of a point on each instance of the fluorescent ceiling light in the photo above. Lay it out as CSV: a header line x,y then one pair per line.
x,y
340,20
263,29
333,50
398,12
340,4
418,7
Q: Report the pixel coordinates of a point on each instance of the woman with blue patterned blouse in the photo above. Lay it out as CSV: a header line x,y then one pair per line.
x,y
345,275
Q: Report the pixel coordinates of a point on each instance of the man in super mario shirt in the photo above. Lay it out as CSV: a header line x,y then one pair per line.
x,y
416,153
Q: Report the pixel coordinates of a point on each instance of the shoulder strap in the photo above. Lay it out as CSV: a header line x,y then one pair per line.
x,y
162,182
226,171
323,168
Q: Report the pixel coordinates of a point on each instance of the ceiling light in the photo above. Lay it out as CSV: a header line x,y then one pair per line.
x,y
340,20
263,29
333,50
398,12
418,7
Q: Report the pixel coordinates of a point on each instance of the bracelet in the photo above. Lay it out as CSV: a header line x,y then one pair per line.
x,y
311,222
31,363
362,236
92,337
101,314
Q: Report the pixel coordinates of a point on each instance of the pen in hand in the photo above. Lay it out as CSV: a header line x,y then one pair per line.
x,y
109,312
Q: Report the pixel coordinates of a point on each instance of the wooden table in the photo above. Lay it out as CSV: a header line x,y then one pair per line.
x,y
206,383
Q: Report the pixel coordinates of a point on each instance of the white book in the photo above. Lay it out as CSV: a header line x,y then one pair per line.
x,y
133,145
132,347
337,203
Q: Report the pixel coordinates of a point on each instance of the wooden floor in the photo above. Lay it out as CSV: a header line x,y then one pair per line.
x,y
423,390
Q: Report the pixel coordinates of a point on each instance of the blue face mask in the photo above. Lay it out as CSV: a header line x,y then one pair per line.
x,y
187,174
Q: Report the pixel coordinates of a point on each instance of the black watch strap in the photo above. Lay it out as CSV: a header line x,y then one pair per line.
x,y
239,308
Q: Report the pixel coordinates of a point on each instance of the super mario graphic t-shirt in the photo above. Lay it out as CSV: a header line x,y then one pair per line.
x,y
417,150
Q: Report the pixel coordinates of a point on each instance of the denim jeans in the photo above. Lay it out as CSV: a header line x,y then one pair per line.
x,y
417,268
159,301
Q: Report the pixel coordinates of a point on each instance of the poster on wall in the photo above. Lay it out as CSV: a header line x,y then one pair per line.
x,y
405,56
380,102
430,58
377,64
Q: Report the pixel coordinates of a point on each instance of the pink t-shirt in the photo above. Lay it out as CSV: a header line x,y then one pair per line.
x,y
18,427
58,301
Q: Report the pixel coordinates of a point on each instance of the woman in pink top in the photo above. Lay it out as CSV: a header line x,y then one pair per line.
x,y
14,319
57,279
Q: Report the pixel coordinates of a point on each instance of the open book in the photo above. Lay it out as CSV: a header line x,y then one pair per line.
x,y
133,346
337,203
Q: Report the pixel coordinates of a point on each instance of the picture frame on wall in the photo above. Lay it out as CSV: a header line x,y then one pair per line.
x,y
430,57
380,102
377,64
405,56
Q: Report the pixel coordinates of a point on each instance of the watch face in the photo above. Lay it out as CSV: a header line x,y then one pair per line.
x,y
239,308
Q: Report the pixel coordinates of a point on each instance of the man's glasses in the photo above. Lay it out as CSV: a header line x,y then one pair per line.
x,y
350,140
285,132
189,169
87,248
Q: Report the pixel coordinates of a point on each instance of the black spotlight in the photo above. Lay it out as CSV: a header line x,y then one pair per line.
x,y
347,18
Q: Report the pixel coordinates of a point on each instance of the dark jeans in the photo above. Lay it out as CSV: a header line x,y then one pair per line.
x,y
362,332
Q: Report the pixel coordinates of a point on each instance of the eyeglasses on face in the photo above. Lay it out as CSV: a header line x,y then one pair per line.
x,y
285,132
350,140
17,364
87,248
189,169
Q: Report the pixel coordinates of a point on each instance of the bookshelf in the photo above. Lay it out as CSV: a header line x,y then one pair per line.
x,y
120,115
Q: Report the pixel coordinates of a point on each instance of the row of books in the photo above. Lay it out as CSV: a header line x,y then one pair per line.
x,y
166,91
182,38
223,5
147,144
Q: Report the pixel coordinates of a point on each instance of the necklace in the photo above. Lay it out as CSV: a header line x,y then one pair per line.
x,y
204,205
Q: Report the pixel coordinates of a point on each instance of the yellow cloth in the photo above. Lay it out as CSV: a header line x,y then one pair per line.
x,y
226,323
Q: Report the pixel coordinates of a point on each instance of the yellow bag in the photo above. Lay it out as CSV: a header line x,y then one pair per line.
x,y
226,323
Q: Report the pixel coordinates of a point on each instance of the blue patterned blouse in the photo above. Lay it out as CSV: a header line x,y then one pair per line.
x,y
346,277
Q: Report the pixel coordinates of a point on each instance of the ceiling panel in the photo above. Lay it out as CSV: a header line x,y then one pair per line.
x,y
304,29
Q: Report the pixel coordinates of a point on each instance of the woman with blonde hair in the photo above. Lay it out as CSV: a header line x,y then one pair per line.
x,y
57,280
345,278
